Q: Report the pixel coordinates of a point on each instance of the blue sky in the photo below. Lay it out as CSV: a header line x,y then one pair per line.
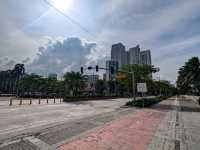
x,y
33,33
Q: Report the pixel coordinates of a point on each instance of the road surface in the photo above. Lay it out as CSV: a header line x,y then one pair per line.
x,y
173,124
23,121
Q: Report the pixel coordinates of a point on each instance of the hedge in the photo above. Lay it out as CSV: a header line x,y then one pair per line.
x,y
145,102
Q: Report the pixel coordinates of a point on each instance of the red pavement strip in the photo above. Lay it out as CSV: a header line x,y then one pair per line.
x,y
133,132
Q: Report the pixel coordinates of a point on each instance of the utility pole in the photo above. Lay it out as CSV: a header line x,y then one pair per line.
x,y
133,85
160,87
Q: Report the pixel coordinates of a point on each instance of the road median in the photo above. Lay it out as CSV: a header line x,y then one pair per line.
x,y
145,102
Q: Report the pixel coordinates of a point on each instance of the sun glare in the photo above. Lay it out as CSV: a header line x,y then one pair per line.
x,y
63,5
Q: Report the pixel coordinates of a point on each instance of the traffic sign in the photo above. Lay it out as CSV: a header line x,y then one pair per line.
x,y
141,87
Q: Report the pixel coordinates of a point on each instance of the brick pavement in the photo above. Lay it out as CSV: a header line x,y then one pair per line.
x,y
133,132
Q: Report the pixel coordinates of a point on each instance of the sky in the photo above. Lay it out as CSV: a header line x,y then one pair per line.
x,y
46,41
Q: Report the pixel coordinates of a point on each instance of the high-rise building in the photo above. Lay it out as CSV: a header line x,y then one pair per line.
x,y
109,74
127,58
145,57
134,55
121,57
104,76
53,76
118,53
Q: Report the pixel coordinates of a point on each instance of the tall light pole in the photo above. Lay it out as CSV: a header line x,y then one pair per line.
x,y
133,85
160,86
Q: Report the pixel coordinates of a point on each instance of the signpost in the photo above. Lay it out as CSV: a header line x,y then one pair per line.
x,y
142,88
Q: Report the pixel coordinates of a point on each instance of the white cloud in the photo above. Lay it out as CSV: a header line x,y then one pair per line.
x,y
141,22
60,56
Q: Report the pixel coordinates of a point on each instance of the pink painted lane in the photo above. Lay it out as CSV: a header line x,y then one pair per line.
x,y
133,132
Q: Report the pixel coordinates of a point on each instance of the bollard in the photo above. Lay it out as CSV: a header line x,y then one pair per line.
x,y
20,103
54,100
60,100
30,101
10,102
39,101
47,101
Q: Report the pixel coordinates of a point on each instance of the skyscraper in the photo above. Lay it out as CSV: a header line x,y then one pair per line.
x,y
121,57
145,57
134,55
52,76
119,54
109,65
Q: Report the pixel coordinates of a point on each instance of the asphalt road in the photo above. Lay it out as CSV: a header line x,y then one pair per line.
x,y
17,122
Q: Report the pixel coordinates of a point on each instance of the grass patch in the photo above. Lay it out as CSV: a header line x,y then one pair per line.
x,y
145,102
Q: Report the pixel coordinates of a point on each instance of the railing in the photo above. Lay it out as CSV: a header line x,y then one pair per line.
x,y
30,101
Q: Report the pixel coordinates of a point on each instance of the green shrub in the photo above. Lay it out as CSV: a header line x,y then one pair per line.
x,y
145,102
86,98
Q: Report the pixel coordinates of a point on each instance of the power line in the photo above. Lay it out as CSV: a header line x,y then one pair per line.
x,y
69,18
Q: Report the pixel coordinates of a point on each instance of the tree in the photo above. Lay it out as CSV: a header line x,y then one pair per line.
x,y
29,85
142,73
189,77
9,78
164,87
100,87
75,82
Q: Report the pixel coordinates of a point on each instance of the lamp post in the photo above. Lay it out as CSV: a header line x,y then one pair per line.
x,y
133,85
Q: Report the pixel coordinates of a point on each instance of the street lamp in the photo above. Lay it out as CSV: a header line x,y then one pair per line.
x,y
133,84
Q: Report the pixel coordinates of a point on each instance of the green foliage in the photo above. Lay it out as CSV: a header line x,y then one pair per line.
x,y
86,98
9,78
100,87
30,84
145,102
164,87
75,83
142,73
189,77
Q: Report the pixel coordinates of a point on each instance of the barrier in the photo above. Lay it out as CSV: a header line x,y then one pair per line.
x,y
21,101
10,102
30,101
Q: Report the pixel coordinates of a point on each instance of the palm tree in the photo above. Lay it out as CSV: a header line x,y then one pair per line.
x,y
100,87
75,82
9,78
189,77
16,74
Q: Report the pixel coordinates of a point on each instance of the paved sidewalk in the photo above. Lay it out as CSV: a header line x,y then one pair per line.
x,y
131,132
180,129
